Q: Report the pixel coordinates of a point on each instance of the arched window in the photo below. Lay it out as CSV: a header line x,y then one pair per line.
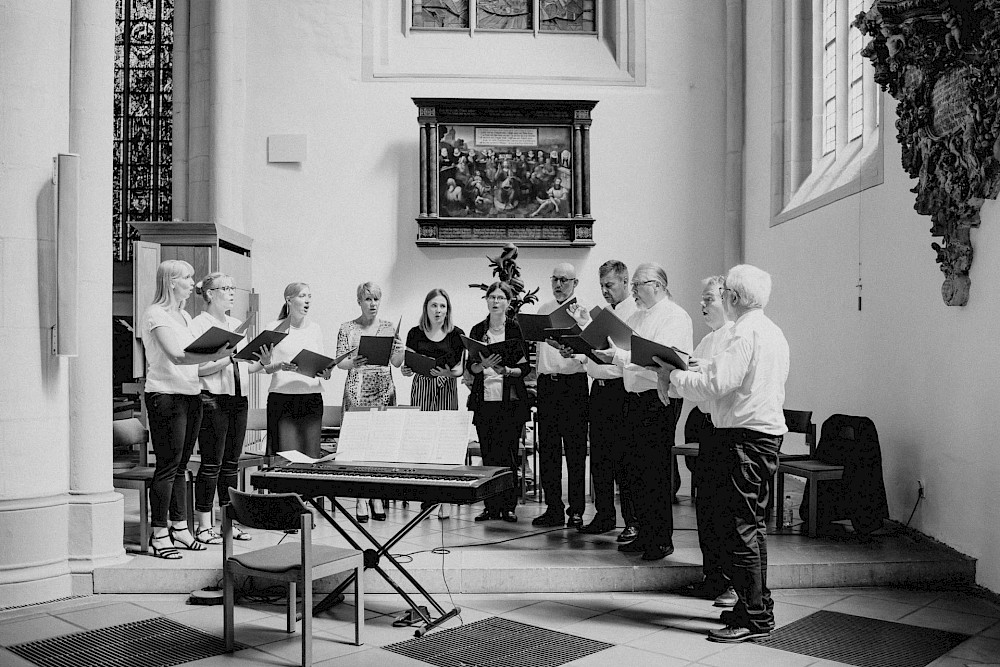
x,y
143,127
829,116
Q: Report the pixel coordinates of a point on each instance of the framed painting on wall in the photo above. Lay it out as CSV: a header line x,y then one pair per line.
x,y
504,170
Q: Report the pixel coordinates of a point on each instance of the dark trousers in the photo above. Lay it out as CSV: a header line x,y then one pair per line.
x,y
499,432
562,426
223,429
711,477
752,458
174,421
294,421
650,428
607,450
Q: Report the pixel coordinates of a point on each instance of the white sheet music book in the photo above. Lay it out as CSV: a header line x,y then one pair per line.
x,y
405,436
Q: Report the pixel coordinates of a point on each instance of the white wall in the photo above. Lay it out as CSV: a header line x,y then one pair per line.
x,y
927,374
346,214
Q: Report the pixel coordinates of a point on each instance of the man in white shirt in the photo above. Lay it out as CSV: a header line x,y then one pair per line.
x,y
650,422
607,403
562,416
746,384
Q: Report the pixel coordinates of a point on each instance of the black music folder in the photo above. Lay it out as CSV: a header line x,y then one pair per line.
x,y
534,326
607,325
510,351
376,349
312,363
420,363
212,340
643,351
265,337
580,346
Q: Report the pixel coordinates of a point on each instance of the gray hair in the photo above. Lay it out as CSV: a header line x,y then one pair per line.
x,y
713,282
751,285
369,288
615,268
652,271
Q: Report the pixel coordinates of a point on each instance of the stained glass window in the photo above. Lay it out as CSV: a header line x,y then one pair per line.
x,y
142,151
567,15
504,15
441,14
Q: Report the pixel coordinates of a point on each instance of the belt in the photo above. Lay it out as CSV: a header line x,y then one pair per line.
x,y
609,382
556,377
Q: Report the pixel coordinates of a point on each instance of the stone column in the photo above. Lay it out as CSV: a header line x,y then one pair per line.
x,y
225,122
95,508
34,429
732,232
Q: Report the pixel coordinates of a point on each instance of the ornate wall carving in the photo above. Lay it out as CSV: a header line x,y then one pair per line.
x,y
940,59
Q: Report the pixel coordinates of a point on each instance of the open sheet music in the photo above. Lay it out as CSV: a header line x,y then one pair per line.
x,y
405,436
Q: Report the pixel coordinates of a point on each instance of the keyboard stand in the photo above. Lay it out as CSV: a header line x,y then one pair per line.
x,y
373,556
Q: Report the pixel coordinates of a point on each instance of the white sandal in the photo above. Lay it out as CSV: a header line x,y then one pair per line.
x,y
208,536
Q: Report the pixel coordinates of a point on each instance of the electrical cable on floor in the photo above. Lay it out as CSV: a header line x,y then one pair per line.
x,y
451,599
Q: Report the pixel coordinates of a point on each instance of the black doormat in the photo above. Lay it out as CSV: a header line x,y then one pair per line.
x,y
865,642
498,642
155,642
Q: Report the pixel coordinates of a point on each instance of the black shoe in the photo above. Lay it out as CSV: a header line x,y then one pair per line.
x,y
704,590
575,521
597,526
633,547
657,551
549,520
629,534
485,515
508,516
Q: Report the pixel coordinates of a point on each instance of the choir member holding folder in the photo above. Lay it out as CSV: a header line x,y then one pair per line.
x,y
368,385
649,422
173,403
294,399
434,348
499,399
224,384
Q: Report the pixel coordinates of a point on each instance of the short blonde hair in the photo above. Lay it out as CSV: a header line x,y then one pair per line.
x,y
369,288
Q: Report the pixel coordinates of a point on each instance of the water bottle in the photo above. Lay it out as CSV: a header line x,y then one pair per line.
x,y
788,514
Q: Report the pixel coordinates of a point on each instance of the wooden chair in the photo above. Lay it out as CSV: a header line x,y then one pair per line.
x,y
804,465
128,434
297,564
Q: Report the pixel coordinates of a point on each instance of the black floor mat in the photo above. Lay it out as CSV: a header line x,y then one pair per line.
x,y
865,642
498,642
155,642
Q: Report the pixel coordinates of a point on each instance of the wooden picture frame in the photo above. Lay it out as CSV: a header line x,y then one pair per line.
x,y
497,171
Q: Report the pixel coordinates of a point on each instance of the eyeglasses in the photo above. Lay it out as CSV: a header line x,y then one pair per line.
x,y
496,298
224,289
561,280
637,285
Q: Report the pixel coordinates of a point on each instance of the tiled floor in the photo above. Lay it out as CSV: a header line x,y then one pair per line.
x,y
647,628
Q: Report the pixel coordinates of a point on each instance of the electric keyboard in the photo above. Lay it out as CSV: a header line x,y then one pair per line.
x,y
421,482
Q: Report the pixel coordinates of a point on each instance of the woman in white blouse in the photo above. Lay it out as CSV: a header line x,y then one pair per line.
x,y
295,401
224,387
173,404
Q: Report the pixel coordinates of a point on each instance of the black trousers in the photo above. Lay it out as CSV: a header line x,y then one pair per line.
x,y
499,432
651,426
294,421
751,459
711,476
223,429
174,422
562,426
608,448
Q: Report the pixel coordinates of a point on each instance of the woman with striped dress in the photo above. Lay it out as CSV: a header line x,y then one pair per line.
x,y
436,337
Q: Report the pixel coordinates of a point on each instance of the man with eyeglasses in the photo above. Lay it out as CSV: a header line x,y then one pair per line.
x,y
651,422
562,416
607,400
745,382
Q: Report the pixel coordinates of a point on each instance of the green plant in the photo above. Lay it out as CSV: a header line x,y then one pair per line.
x,y
506,270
